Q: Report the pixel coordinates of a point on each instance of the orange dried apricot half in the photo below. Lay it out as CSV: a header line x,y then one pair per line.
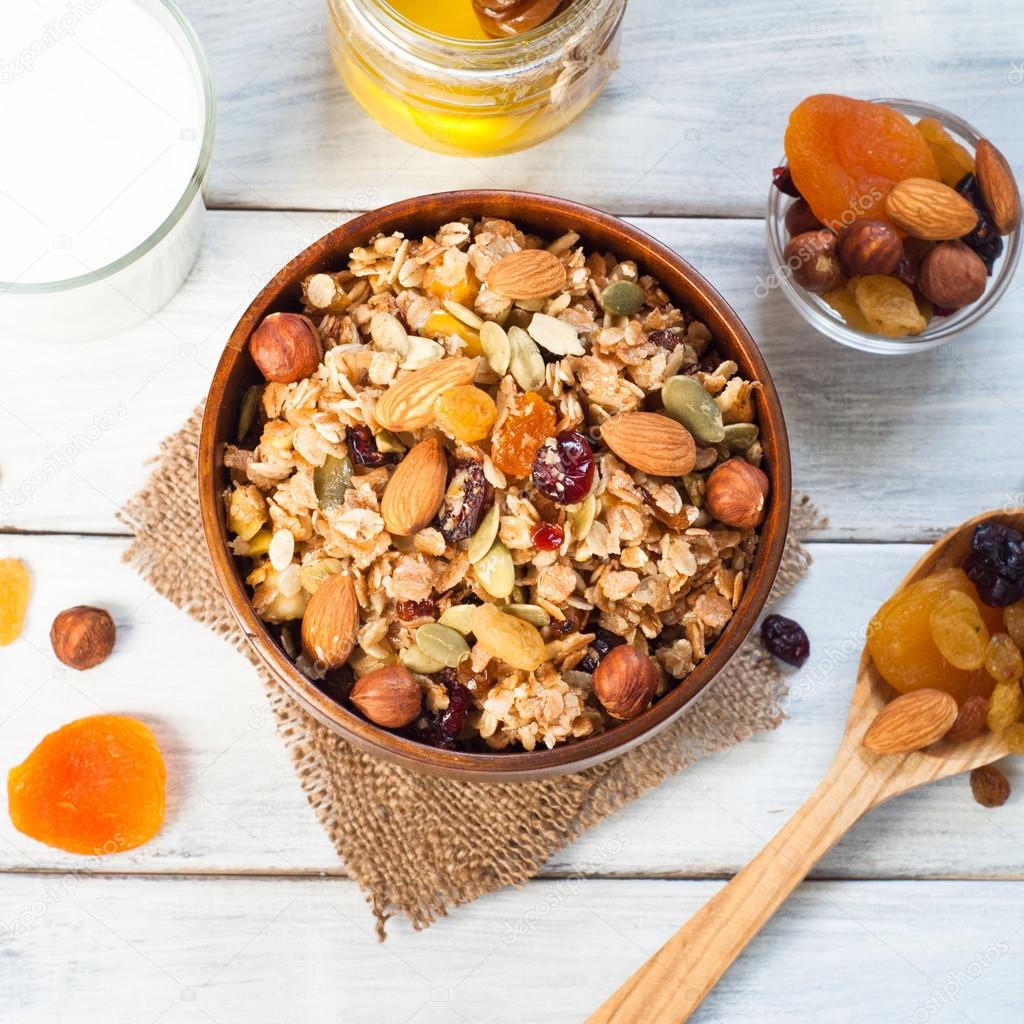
x,y
528,423
15,587
845,154
902,643
95,786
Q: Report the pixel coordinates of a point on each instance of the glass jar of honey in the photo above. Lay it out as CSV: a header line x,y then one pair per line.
x,y
428,72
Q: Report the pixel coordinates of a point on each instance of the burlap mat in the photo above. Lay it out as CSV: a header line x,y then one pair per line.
x,y
417,844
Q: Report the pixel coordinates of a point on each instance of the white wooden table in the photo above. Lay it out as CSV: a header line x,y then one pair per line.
x,y
239,911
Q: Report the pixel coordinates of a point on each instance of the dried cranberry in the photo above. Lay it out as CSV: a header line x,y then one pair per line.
x,y
942,311
444,727
467,496
564,467
362,446
602,643
409,610
985,239
996,563
786,639
783,181
547,536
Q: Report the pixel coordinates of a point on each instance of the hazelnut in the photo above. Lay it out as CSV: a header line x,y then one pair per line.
x,y
82,637
737,493
625,681
286,347
389,697
952,275
869,247
813,260
800,218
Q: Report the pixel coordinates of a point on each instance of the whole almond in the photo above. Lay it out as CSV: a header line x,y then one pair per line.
x,y
527,274
416,489
330,623
389,697
998,187
929,209
409,404
651,443
911,722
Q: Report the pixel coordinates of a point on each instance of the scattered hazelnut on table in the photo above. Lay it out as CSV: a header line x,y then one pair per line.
x,y
736,494
814,260
389,696
82,636
952,275
869,247
286,347
625,681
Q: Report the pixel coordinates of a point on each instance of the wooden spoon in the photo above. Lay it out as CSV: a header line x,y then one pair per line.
x,y
673,983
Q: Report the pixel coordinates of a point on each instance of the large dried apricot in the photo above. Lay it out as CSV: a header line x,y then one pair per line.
x,y
15,586
902,646
94,786
845,155
529,423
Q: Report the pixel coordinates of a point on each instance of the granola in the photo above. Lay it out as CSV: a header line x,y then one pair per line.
x,y
521,424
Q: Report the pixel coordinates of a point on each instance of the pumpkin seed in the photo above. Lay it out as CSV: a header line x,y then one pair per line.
x,y
388,334
688,403
331,481
496,348
282,548
422,352
457,618
693,484
555,335
496,571
415,660
531,613
388,442
313,575
583,518
527,365
740,436
622,298
481,541
443,644
247,411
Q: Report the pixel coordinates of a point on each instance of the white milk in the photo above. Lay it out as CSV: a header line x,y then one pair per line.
x,y
102,115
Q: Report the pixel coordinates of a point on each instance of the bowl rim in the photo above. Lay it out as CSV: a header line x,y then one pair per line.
x,y
502,765
942,330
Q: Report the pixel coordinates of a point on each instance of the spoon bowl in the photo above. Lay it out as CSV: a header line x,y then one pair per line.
x,y
673,982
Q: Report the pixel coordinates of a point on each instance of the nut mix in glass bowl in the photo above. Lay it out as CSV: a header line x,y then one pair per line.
x,y
497,492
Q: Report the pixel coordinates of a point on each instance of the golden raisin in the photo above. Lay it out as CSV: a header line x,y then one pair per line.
x,y
990,786
1014,619
1013,737
889,306
842,301
958,630
529,423
467,413
15,587
1005,707
94,786
952,159
1002,660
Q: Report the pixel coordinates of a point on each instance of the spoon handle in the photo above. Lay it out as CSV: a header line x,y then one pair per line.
x,y
673,982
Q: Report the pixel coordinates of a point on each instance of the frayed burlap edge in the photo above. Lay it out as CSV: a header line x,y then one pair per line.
x,y
420,845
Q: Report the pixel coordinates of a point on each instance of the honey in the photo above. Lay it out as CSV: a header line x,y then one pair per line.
x,y
429,73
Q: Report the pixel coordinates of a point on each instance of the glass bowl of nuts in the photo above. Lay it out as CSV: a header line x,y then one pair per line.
x,y
909,231
494,483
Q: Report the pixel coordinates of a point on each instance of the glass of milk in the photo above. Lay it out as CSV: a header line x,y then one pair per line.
x,y
107,113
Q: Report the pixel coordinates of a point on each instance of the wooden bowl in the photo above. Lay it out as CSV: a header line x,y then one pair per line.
x,y
548,217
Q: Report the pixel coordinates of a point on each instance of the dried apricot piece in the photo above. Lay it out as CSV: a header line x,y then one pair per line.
x,y
889,306
958,630
94,786
529,423
15,587
952,159
845,155
902,647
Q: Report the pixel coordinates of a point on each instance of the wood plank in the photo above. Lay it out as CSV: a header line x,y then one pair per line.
x,y
890,449
691,123
235,806
233,951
